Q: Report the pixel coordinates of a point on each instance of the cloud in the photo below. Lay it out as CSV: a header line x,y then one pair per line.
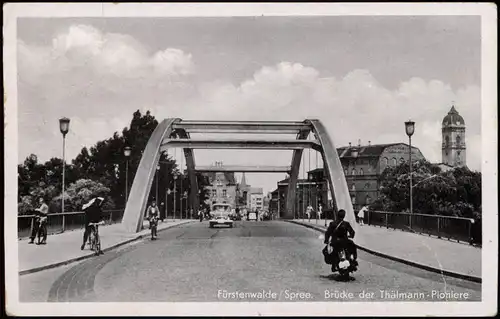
x,y
353,107
99,79
104,54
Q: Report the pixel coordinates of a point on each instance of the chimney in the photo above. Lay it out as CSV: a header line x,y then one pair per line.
x,y
359,143
349,144
369,143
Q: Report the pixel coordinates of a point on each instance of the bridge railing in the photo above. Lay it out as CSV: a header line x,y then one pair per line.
x,y
58,223
450,227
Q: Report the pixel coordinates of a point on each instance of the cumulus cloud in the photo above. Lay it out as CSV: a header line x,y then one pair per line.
x,y
98,79
83,46
353,107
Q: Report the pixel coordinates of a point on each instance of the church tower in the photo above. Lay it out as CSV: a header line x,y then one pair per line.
x,y
453,131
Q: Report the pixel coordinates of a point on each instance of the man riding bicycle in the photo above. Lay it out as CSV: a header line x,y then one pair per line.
x,y
93,214
152,216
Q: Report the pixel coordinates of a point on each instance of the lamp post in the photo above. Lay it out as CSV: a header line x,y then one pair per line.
x,y
410,129
354,154
157,173
166,203
126,151
64,128
175,199
184,196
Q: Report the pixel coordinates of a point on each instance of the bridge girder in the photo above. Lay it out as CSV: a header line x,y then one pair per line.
x,y
240,169
160,140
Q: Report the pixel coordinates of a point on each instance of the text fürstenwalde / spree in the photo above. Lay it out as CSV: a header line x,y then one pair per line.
x,y
286,294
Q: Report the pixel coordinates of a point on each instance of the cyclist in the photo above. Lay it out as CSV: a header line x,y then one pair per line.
x,y
40,223
93,214
152,216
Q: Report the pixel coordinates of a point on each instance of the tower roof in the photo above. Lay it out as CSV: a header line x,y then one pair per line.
x,y
453,118
243,182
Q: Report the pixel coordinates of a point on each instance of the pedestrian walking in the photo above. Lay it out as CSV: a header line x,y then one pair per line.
x,y
200,215
361,215
309,210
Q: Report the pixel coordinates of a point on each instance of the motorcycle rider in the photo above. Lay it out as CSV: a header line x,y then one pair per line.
x,y
339,231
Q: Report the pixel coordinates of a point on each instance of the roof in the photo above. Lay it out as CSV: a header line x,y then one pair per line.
x,y
365,150
256,190
453,118
228,176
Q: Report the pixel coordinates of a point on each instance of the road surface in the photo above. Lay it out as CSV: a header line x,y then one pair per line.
x,y
254,261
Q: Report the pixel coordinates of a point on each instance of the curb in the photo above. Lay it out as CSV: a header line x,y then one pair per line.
x,y
76,259
403,261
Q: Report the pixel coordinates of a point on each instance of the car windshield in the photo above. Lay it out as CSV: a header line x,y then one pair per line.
x,y
221,208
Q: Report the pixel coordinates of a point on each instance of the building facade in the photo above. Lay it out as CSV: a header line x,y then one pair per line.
x,y
256,199
249,197
222,187
362,165
453,133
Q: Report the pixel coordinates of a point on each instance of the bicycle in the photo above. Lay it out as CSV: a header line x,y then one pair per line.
x,y
153,224
41,233
94,238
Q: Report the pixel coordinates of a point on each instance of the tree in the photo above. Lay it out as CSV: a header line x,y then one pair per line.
x,y
80,193
453,193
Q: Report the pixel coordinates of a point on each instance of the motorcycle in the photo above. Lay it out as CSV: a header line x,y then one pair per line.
x,y
342,261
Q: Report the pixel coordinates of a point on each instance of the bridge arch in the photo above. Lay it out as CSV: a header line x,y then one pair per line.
x,y
161,140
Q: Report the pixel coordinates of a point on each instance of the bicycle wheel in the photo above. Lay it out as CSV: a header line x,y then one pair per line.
x,y
92,240
97,244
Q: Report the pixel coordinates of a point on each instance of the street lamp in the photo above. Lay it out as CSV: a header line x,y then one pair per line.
x,y
126,151
354,155
157,173
64,128
410,129
175,199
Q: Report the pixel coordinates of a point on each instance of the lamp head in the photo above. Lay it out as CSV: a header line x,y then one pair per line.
x,y
410,128
64,125
127,151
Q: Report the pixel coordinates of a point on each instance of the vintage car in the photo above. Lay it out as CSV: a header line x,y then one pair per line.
x,y
220,214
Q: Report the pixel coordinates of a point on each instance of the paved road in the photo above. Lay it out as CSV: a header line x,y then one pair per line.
x,y
195,263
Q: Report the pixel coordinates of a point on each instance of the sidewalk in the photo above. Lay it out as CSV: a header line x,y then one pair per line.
x,y
438,255
64,248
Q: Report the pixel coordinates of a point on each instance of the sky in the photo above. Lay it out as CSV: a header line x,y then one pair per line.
x,y
362,76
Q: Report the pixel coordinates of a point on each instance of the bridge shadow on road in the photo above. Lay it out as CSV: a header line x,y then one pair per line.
x,y
337,277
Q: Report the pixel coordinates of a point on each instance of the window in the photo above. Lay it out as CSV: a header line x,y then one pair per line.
x,y
458,140
367,185
447,141
385,162
224,193
353,172
361,172
394,161
353,187
401,160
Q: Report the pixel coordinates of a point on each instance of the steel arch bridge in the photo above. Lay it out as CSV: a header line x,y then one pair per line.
x,y
175,133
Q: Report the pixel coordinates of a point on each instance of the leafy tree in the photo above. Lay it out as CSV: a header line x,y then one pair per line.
x,y
79,193
29,202
456,192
